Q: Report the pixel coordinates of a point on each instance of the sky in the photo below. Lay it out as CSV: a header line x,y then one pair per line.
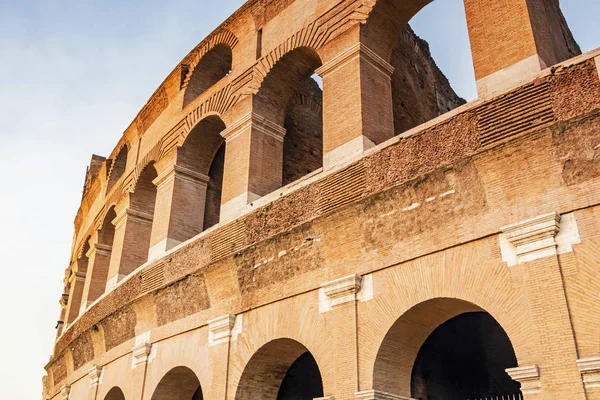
x,y
73,75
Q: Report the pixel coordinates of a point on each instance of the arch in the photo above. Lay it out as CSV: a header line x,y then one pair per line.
x,y
282,81
282,369
211,68
203,152
101,259
399,352
115,394
291,98
117,168
142,202
180,383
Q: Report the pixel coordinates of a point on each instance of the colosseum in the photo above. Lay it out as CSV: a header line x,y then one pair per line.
x,y
305,209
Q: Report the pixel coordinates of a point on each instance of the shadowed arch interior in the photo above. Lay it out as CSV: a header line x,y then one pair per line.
x,y
117,168
180,383
290,97
115,394
465,358
282,369
214,66
142,203
395,361
204,153
99,270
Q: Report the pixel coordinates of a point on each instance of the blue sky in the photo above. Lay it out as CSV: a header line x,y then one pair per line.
x,y
73,75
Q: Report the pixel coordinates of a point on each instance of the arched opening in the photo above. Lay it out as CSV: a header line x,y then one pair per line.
x,y
281,370
117,168
115,394
446,349
465,358
214,66
101,258
203,152
142,203
291,97
180,383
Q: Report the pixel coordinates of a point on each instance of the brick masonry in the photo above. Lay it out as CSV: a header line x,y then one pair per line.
x,y
419,217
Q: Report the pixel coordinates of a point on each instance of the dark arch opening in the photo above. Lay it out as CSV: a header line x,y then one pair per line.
x,y
465,358
115,394
204,153
290,97
142,201
283,370
180,383
214,66
99,269
117,168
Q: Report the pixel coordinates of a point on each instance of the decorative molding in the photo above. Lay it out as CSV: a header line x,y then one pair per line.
x,y
254,121
140,354
528,377
103,249
94,374
357,51
533,238
128,214
220,329
590,370
543,236
65,390
324,398
77,276
338,292
379,395
182,173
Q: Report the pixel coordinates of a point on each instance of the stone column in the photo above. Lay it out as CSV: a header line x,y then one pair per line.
x,y
536,244
179,209
513,41
338,299
253,162
357,102
130,246
77,282
98,264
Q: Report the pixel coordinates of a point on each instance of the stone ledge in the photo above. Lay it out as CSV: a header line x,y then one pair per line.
x,y
528,377
590,370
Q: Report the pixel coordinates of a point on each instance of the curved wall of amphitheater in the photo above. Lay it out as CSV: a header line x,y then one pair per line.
x,y
256,235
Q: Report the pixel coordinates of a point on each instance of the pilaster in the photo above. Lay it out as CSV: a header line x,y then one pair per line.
x,y
77,282
98,264
179,209
221,331
535,243
357,103
130,247
253,162
529,378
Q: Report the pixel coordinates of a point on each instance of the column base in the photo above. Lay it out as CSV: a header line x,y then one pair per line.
x,y
112,282
159,249
511,77
235,207
349,151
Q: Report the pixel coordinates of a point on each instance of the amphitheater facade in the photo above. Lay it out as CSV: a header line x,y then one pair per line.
x,y
257,234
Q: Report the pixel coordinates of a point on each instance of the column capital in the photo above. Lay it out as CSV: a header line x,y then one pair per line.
x,y
256,122
220,329
358,50
140,354
126,214
528,377
94,374
341,291
533,238
65,390
180,172
590,370
77,276
379,395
